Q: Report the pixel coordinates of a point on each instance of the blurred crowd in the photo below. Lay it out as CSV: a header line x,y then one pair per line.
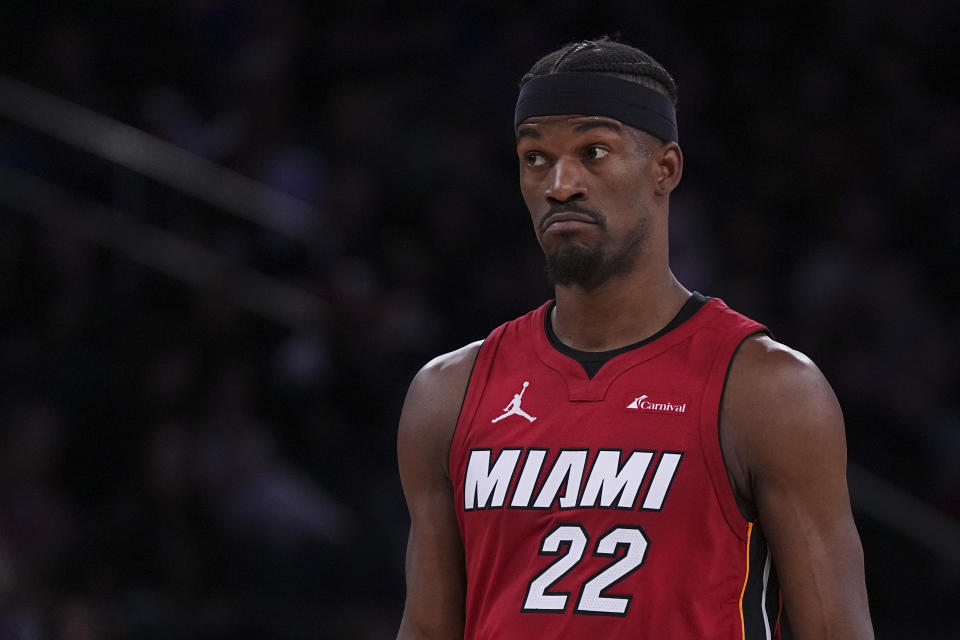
x,y
172,466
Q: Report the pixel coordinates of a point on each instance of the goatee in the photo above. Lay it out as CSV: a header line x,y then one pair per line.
x,y
588,268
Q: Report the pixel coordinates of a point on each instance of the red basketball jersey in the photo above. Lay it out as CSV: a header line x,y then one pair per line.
x,y
600,508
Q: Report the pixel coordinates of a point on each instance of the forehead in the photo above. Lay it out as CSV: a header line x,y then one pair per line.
x,y
541,126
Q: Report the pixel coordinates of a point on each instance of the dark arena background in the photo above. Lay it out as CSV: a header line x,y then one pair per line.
x,y
231,232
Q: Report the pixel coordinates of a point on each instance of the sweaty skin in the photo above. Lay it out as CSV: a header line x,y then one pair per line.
x,y
781,428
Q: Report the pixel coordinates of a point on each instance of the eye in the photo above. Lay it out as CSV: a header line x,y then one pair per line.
x,y
534,159
595,152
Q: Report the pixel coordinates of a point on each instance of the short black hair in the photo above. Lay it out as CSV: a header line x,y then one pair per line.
x,y
606,55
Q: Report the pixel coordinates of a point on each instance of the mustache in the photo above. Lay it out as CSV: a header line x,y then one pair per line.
x,y
571,207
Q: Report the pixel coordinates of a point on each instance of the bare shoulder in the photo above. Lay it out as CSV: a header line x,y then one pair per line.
x,y
780,417
432,405
782,435
772,382
448,370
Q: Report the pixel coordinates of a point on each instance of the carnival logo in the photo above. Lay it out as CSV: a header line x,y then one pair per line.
x,y
643,403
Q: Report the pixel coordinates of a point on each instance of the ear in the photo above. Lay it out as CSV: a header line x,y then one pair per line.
x,y
667,162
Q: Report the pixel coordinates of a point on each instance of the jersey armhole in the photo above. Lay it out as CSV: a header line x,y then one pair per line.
x,y
476,382
710,435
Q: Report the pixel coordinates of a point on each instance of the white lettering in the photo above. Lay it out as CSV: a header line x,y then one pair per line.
x,y
663,406
487,481
607,480
569,466
662,478
483,482
528,478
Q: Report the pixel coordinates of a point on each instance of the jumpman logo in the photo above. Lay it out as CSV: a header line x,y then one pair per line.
x,y
513,409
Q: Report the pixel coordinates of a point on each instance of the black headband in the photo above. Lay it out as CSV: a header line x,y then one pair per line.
x,y
597,94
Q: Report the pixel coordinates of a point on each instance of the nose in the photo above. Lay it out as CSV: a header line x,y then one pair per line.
x,y
566,182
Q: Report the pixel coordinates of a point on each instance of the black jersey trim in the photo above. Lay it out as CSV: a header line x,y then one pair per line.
x,y
760,603
723,393
592,361
463,400
463,403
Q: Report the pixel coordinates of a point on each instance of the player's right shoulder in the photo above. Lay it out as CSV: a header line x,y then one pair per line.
x,y
433,402
456,364
442,382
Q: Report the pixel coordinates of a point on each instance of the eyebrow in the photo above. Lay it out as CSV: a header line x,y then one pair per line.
x,y
528,132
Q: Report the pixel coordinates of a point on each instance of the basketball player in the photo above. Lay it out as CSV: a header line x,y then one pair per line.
x,y
630,460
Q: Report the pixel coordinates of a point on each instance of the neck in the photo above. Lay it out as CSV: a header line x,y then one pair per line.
x,y
617,313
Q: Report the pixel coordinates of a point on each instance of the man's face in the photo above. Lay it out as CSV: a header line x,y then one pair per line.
x,y
582,179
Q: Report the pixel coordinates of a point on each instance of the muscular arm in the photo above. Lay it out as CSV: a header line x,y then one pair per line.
x,y
436,581
783,439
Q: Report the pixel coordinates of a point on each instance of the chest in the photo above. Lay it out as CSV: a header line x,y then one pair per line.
x,y
541,441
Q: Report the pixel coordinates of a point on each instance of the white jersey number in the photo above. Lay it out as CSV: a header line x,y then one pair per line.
x,y
593,598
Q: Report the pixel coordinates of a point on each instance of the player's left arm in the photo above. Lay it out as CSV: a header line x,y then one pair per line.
x,y
788,439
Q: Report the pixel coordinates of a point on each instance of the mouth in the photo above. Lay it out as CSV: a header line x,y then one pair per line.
x,y
567,220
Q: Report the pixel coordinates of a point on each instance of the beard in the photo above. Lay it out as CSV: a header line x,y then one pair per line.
x,y
589,267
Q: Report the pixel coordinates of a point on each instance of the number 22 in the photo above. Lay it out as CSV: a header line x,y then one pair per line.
x,y
592,598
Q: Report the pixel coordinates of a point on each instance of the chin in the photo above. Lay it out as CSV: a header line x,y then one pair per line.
x,y
559,244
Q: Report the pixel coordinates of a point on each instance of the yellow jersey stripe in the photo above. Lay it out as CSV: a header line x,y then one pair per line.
x,y
743,625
